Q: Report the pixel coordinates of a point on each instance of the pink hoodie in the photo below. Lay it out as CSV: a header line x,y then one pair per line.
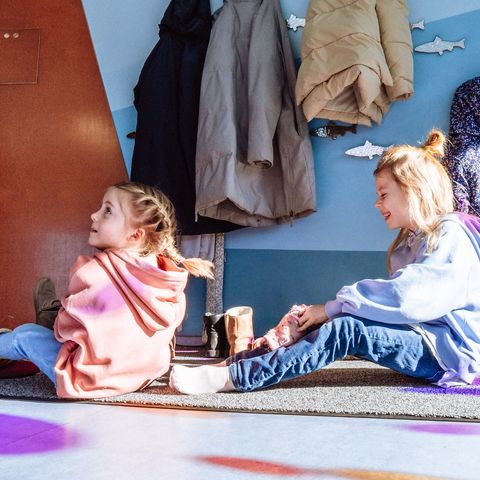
x,y
116,323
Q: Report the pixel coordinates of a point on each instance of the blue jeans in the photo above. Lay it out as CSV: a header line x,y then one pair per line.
x,y
32,342
394,346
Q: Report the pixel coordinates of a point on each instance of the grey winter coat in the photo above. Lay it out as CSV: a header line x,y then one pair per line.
x,y
254,163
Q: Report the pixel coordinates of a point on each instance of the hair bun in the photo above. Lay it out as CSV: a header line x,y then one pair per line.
x,y
435,143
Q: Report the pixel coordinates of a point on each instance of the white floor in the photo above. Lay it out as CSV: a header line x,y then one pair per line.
x,y
83,441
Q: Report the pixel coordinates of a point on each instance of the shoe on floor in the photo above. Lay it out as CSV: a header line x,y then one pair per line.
x,y
17,368
46,302
4,362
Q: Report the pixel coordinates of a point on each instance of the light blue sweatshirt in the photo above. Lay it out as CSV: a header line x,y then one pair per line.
x,y
437,294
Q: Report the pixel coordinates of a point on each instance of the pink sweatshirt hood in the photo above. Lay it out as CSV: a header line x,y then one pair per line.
x,y
116,323
151,292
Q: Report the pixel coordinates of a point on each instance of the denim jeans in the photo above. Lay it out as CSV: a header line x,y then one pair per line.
x,y
32,342
394,346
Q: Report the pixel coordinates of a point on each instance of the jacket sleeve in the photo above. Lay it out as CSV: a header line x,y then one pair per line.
x,y
266,79
396,41
427,289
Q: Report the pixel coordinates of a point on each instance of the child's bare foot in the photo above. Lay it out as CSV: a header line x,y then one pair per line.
x,y
205,379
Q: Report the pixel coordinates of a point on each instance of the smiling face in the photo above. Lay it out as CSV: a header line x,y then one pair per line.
x,y
111,227
392,201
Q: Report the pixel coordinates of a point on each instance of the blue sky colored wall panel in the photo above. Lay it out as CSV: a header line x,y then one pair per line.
x,y
124,32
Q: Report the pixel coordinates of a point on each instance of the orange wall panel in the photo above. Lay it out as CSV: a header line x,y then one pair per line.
x,y
58,152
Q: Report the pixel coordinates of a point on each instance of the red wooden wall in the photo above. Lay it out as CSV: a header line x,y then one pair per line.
x,y
58,147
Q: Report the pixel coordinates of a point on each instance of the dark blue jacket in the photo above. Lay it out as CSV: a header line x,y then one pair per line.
x,y
462,158
167,99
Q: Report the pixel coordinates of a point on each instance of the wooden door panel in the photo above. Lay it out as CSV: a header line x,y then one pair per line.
x,y
58,152
20,51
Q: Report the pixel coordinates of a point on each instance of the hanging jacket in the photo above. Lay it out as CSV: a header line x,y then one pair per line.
x,y
254,163
437,294
356,59
462,158
116,323
166,99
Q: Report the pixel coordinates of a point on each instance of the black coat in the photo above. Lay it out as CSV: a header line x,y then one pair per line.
x,y
167,98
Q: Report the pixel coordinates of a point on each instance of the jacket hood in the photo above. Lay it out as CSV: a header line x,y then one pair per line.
x,y
188,18
153,293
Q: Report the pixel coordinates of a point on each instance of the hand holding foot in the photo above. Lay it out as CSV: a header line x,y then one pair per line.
x,y
313,316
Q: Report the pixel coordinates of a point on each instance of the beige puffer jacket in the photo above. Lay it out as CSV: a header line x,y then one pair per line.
x,y
356,59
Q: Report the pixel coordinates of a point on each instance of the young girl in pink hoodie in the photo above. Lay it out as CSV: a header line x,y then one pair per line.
x,y
113,331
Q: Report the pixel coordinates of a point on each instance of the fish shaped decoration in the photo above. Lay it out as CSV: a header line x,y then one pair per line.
x,y
420,25
439,46
294,22
367,150
332,130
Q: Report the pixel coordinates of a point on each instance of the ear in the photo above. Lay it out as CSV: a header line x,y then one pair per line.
x,y
137,235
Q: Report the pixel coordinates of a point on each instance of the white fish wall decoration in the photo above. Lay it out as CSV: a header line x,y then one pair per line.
x,y
439,46
420,25
294,22
367,150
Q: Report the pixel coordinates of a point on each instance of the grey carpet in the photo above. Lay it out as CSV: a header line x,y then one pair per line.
x,y
354,388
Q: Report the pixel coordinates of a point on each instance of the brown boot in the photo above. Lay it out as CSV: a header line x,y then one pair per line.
x,y
239,326
46,303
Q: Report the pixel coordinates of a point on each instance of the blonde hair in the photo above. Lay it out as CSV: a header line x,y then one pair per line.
x,y
153,211
420,174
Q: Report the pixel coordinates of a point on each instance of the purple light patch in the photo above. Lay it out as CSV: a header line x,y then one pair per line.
x,y
443,391
445,428
21,436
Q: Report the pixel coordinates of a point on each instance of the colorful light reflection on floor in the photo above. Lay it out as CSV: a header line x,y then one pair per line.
x,y
22,435
473,389
282,470
444,428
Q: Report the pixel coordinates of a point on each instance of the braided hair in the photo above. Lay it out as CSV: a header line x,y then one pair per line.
x,y
154,212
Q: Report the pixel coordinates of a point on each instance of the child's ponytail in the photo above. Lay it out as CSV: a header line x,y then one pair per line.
x,y
199,267
195,266
434,145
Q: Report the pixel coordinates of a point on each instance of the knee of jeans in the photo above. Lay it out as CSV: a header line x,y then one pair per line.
x,y
345,324
23,332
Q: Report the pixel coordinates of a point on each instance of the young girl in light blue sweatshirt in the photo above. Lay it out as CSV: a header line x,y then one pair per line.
x,y
423,321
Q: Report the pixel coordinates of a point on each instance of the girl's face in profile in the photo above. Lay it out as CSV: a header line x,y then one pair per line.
x,y
392,201
111,227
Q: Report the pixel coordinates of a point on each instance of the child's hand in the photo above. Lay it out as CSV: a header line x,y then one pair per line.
x,y
313,315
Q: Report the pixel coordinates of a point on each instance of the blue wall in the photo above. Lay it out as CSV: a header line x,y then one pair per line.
x,y
346,239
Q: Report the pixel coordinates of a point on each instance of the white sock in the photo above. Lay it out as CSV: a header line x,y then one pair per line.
x,y
205,379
